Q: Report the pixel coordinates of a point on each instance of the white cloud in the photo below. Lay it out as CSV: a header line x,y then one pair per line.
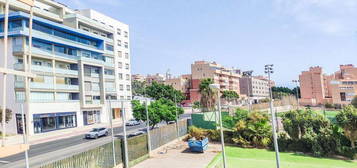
x,y
334,17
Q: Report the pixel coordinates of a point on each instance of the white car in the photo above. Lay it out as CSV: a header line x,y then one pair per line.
x,y
132,122
97,132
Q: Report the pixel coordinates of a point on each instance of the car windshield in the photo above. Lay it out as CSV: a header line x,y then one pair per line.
x,y
95,130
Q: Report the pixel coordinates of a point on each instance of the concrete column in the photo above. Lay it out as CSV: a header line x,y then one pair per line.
x,y
81,83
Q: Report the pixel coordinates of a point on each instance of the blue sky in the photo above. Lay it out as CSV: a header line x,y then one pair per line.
x,y
246,34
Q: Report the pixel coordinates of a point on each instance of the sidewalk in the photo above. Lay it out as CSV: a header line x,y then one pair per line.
x,y
178,155
56,135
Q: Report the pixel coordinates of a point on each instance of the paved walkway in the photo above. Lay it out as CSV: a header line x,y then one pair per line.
x,y
177,155
56,135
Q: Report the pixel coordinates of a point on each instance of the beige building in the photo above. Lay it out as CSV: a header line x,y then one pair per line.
x,y
257,87
227,78
159,78
182,83
138,77
338,88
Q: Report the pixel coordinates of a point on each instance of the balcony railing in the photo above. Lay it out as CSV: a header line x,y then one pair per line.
x,y
66,71
41,68
36,85
19,84
110,89
67,87
109,76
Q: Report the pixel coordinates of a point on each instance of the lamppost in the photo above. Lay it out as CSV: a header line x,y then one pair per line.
x,y
216,87
269,70
297,92
148,125
248,74
126,157
110,115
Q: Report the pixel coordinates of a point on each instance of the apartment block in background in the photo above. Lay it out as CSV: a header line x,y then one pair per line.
x,y
80,58
256,87
159,78
182,83
227,78
338,88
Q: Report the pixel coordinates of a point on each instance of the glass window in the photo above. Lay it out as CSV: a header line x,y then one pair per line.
x,y
120,76
41,45
127,55
60,49
109,47
126,45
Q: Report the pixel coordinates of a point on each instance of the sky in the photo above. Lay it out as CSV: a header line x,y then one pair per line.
x,y
246,34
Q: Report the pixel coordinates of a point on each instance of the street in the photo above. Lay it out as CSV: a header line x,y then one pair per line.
x,y
62,148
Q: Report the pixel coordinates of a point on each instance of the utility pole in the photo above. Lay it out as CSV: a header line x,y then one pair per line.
x,y
177,128
269,70
24,133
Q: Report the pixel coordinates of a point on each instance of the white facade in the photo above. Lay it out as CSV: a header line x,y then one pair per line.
x,y
76,58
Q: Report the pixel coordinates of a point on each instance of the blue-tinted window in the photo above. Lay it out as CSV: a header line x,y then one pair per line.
x,y
109,47
60,49
42,45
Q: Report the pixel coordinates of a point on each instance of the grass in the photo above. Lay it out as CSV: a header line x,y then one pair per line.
x,y
260,158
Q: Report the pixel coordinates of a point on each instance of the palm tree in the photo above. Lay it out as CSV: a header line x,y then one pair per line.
x,y
207,95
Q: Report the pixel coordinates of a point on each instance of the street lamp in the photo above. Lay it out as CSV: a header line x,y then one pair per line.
x,y
216,87
269,70
249,75
148,125
297,92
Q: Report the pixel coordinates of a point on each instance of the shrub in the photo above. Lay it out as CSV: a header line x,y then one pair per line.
x,y
197,133
329,105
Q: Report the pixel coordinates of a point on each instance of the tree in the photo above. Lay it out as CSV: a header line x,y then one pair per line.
x,y
196,105
159,110
354,102
8,115
347,119
208,97
158,91
230,95
138,88
298,91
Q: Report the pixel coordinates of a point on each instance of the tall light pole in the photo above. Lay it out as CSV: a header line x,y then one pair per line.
x,y
297,92
126,157
269,70
216,87
148,125
110,114
248,74
177,128
6,22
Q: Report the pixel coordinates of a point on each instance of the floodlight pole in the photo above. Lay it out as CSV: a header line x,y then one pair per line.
x,y
24,133
269,70
110,114
297,92
126,163
148,126
217,88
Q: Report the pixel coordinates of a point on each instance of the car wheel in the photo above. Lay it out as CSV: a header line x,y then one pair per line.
x,y
106,133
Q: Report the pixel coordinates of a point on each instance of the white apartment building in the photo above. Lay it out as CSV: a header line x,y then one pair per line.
x,y
81,59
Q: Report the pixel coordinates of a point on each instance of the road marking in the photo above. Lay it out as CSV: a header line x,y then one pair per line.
x,y
5,162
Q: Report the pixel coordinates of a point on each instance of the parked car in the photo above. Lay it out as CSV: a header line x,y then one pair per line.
x,y
96,133
136,134
132,122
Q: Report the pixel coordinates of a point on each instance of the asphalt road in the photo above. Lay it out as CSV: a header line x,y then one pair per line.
x,y
39,150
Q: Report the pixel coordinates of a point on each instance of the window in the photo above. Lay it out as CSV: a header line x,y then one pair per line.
x,y
109,47
343,96
121,97
118,31
128,87
126,45
127,55
121,87
120,65
108,72
127,66
129,97
125,34
120,76
119,42
127,77
120,54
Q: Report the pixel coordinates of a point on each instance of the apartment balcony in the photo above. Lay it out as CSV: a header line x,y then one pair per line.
x,y
67,71
67,87
36,85
66,56
110,89
18,66
96,61
41,68
93,102
109,64
109,76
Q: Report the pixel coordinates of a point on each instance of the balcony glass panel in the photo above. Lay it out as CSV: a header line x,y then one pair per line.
x,y
66,71
36,85
67,87
41,68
